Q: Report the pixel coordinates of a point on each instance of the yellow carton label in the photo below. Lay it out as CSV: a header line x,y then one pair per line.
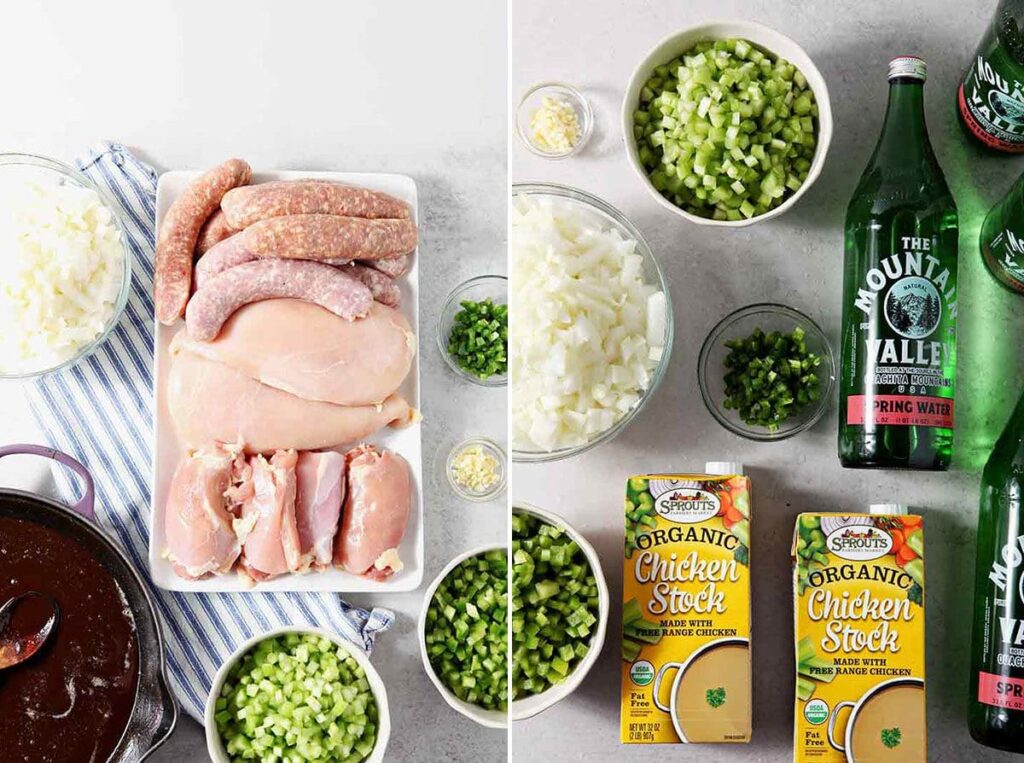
x,y
686,610
859,629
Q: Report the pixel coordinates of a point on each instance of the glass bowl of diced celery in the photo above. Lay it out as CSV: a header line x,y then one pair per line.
x,y
323,697
727,123
463,634
472,330
766,372
560,606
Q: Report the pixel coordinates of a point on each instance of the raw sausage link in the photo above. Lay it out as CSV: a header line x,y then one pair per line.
x,y
383,289
320,237
230,253
395,267
215,230
180,230
224,256
245,206
342,294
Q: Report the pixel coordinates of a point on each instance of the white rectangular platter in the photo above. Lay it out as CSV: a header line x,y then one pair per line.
x,y
167,451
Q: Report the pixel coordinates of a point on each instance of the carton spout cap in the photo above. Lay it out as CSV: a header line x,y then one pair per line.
x,y
723,468
899,509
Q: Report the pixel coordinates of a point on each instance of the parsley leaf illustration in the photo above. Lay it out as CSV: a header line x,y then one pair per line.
x,y
716,697
892,737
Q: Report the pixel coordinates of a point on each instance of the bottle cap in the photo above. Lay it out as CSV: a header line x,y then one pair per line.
x,y
899,509
908,66
723,468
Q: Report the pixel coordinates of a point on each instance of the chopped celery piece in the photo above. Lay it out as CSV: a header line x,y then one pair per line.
x,y
466,629
554,604
750,117
304,699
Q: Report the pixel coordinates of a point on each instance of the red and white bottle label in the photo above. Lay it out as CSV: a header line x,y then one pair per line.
x,y
900,410
1001,691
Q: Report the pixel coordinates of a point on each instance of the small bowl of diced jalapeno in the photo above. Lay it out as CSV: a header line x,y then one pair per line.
x,y
472,330
766,372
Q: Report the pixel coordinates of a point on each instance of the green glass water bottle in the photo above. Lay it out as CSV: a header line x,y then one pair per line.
x,y
996,711
1002,239
990,99
899,296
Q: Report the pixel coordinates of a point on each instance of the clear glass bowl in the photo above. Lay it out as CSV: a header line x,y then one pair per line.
x,y
475,290
653,274
15,168
531,101
489,447
741,324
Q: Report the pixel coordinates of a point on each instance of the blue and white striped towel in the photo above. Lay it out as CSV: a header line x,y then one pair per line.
x,y
100,411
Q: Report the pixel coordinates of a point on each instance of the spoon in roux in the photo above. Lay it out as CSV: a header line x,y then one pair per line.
x,y
26,622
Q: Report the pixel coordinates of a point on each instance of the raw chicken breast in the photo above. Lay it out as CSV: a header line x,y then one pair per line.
x,y
212,401
198,520
375,513
320,479
270,537
301,348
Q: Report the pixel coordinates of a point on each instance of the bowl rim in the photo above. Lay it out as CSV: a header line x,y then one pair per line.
x,y
538,703
214,744
492,719
442,341
712,339
14,159
538,188
705,30
487,443
587,128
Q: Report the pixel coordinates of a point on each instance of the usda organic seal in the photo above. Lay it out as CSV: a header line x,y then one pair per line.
x,y
641,673
816,712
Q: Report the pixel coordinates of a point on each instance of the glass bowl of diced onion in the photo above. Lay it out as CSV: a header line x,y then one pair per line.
x,y
554,120
602,422
66,266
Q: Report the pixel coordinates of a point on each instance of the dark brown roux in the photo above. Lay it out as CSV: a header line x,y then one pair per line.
x,y
72,701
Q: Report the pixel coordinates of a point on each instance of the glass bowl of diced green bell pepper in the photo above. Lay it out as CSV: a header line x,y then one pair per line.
x,y
727,152
472,330
463,634
326,699
766,372
559,611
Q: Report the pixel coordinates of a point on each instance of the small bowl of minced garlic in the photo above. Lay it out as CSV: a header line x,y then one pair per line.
x,y
476,469
554,120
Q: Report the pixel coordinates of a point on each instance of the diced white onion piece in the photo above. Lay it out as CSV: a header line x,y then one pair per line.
x,y
580,349
61,270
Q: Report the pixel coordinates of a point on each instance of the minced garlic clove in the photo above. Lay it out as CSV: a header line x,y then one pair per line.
x,y
554,126
474,469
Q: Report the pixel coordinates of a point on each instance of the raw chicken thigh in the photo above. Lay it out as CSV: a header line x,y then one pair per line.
x,y
270,537
304,349
198,521
321,488
212,401
375,513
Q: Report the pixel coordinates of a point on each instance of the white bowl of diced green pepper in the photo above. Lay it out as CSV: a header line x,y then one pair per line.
x,y
463,635
576,583
741,138
339,709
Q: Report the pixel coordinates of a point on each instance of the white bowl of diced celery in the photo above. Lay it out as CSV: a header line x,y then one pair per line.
x,y
261,700
465,636
548,679
727,136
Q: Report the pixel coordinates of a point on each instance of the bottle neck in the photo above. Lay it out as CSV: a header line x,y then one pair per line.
x,y
904,139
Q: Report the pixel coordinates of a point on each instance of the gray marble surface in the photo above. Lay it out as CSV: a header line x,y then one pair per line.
x,y
310,85
795,259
